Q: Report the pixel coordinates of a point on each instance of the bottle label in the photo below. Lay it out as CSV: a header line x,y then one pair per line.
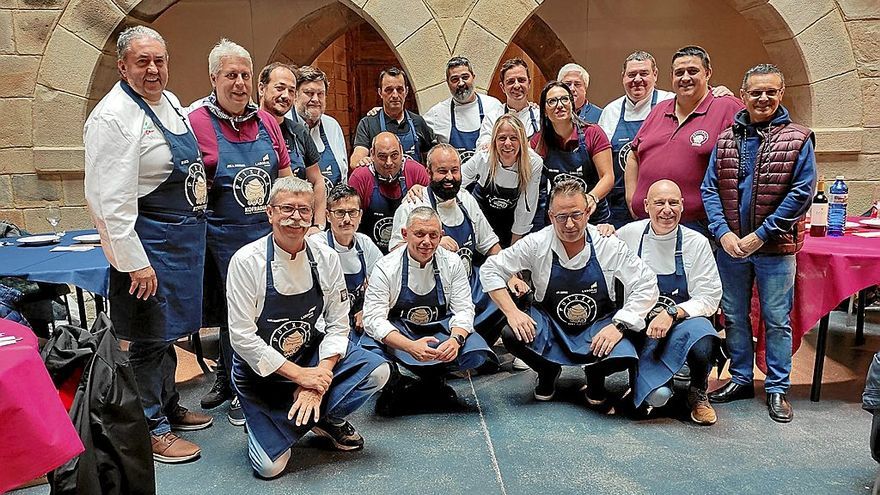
x,y
838,199
819,214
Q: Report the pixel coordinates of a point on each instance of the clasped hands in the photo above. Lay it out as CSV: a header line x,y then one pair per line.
x,y
740,248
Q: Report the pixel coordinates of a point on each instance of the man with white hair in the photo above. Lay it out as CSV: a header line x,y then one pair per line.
x,y
244,152
294,369
578,80
146,191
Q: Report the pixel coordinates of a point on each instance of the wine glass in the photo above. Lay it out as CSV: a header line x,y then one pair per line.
x,y
53,216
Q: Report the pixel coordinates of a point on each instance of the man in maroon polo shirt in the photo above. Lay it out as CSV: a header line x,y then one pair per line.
x,y
677,138
383,184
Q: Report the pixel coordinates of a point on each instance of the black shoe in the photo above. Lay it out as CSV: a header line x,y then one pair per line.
x,y
343,436
235,415
545,386
779,408
731,392
220,392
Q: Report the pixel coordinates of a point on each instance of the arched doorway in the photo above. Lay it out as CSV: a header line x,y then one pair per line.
x,y
538,78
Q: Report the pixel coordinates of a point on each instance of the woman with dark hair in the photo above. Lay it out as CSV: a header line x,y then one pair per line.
x,y
572,149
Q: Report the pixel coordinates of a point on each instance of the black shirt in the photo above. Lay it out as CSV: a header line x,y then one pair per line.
x,y
370,126
296,134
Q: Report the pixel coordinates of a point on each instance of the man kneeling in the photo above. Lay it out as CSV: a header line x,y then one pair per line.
x,y
573,321
288,323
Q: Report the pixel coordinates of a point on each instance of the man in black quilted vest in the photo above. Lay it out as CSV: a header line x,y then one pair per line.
x,y
758,186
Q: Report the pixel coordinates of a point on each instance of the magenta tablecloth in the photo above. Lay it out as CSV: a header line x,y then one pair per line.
x,y
37,433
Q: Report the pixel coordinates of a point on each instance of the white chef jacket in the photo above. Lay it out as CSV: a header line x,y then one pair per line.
x,y
126,158
334,136
533,252
476,169
523,115
386,280
467,116
246,293
348,256
658,252
638,111
450,214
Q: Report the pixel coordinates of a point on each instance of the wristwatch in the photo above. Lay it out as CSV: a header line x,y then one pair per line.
x,y
672,311
620,327
458,338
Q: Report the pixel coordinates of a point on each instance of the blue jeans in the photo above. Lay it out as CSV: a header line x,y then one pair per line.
x,y
775,278
154,365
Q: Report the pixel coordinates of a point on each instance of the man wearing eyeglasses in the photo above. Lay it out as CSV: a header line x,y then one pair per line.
x,y
578,80
457,119
573,321
357,252
516,83
758,187
294,369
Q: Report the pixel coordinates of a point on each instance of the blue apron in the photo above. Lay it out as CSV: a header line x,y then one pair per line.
x,y
575,165
535,126
660,359
575,308
416,316
464,142
590,113
499,206
171,227
409,141
624,133
379,215
328,164
287,324
294,149
355,283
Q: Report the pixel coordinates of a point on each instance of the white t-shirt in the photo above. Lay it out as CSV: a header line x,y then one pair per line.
x,y
349,257
525,115
634,111
467,116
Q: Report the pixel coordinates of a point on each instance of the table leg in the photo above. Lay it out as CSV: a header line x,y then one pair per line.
x,y
99,304
821,342
81,305
860,317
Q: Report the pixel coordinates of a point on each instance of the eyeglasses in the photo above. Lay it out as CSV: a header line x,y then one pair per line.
x,y
771,93
563,218
559,100
287,210
340,214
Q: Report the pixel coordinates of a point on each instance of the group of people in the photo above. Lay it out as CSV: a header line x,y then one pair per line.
x,y
576,236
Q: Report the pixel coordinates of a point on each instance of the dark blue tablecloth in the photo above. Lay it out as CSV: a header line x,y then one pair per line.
x,y
88,270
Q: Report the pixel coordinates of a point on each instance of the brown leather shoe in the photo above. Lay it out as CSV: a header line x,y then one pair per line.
x,y
702,412
171,449
186,420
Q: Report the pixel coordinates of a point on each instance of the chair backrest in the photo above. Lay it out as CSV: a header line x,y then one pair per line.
x,y
9,229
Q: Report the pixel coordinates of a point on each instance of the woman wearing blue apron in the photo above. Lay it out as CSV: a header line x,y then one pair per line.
x,y
624,133
171,226
355,283
379,218
589,165
691,340
464,142
409,142
266,401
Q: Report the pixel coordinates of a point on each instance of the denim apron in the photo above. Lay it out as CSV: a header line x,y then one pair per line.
x,y
409,141
379,216
624,133
499,206
464,142
171,226
355,283
660,359
416,316
287,324
575,308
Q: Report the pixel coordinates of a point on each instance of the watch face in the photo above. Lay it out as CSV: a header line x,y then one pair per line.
x,y
672,311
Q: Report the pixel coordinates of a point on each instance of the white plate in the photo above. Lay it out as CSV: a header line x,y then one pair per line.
x,y
874,223
39,240
88,238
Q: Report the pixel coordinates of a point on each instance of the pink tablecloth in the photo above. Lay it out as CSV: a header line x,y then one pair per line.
x,y
37,433
829,270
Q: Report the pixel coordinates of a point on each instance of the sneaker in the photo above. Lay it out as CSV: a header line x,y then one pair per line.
x,y
702,412
519,365
171,449
220,392
235,415
343,435
186,420
545,384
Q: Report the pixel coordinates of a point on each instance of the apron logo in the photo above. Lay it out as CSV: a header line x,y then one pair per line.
x,y
343,295
699,138
576,309
662,303
500,203
290,337
467,258
623,154
421,314
382,231
564,176
328,185
251,189
196,187
465,155
666,301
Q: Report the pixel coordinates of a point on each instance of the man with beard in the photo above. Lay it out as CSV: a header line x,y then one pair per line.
x,y
382,185
578,81
457,119
515,82
310,103
276,89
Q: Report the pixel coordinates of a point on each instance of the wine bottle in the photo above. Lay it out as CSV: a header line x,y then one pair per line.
x,y
819,211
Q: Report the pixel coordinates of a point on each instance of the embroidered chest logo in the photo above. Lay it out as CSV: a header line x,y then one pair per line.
x,y
465,155
196,187
251,189
421,314
699,138
576,309
623,154
467,258
290,337
499,203
382,231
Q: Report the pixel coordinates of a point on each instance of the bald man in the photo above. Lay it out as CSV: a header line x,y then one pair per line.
x,y
678,328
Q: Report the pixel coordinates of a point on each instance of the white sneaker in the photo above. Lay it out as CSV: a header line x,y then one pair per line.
x,y
519,365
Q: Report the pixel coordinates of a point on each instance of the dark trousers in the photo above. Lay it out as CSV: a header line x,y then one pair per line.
x,y
699,361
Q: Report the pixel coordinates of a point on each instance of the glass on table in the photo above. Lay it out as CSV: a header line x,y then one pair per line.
x,y
53,216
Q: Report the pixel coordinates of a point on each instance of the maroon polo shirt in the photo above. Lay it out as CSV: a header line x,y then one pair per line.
x,y
364,182
680,153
